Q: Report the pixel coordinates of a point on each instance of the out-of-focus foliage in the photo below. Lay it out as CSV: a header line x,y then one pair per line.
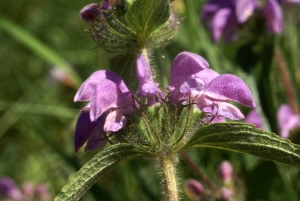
x,y
37,113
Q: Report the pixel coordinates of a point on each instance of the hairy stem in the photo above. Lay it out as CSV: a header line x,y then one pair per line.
x,y
168,164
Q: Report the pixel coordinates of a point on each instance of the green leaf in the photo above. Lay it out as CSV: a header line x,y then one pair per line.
x,y
95,168
40,49
147,15
246,138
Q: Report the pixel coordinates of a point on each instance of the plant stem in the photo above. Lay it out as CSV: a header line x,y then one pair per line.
x,y
167,164
198,172
290,91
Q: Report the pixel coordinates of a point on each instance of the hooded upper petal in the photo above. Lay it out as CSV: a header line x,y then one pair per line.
x,y
107,96
273,15
228,87
86,90
185,65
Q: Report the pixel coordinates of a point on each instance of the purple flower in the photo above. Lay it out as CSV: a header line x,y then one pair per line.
x,y
192,81
194,189
273,16
110,101
226,194
223,17
225,171
289,1
8,189
287,120
147,88
90,12
254,118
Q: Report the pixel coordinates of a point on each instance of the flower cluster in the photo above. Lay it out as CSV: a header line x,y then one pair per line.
x,y
224,17
10,191
196,191
192,83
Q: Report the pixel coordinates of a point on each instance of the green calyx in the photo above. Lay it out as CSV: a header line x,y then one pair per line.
x,y
134,25
162,129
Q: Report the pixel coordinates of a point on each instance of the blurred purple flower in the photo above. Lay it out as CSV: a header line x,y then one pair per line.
x,y
254,118
192,81
273,15
110,101
287,120
194,189
8,189
147,88
289,1
223,17
225,171
226,194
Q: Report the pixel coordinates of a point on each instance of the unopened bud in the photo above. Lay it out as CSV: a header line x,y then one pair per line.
x,y
194,189
226,194
225,171
28,189
90,12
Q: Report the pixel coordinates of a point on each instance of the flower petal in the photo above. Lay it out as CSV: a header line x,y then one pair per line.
x,y
86,129
222,20
87,89
114,121
207,75
106,96
283,115
274,18
143,69
254,118
287,120
90,12
229,111
184,66
244,9
293,122
228,87
96,141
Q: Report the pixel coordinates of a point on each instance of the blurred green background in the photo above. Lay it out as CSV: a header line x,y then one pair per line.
x,y
45,55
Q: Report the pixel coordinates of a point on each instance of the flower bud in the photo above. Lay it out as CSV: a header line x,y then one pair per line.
x,y
226,194
225,171
90,12
28,189
194,189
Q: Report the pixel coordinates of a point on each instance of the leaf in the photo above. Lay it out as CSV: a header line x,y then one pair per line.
x,y
95,168
246,138
147,15
40,49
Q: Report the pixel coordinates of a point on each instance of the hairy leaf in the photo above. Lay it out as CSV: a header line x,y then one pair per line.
x,y
95,168
246,138
147,15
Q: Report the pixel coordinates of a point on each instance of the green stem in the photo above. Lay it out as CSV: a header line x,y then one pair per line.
x,y
167,164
